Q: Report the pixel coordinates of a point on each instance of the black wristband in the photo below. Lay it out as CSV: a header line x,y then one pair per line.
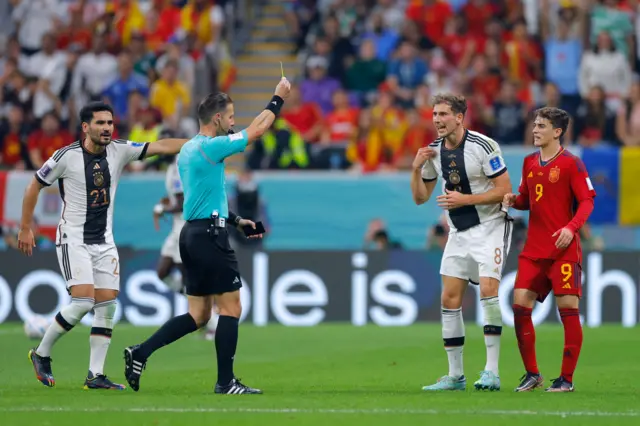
x,y
234,218
275,104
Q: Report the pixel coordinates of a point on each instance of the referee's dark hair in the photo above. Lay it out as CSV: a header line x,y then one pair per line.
x,y
212,105
458,103
87,111
558,118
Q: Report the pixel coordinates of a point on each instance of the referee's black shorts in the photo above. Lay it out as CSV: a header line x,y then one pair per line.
x,y
209,261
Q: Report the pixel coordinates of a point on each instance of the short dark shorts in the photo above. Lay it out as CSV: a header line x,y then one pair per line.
x,y
209,261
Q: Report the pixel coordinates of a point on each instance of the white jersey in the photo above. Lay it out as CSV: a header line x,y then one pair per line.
x,y
88,184
468,169
173,185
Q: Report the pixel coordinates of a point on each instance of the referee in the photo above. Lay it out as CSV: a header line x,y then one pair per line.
x,y
210,263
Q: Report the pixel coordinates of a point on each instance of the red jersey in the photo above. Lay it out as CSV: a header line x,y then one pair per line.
x,y
550,191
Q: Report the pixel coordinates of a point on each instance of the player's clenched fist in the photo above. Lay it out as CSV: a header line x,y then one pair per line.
x,y
423,155
283,88
509,200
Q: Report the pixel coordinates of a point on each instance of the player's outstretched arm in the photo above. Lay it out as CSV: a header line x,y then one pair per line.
x,y
165,147
265,119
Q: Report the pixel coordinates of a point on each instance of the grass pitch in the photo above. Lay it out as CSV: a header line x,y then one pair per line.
x,y
325,375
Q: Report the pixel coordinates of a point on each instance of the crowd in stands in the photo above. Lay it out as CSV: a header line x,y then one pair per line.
x,y
370,68
368,71
144,57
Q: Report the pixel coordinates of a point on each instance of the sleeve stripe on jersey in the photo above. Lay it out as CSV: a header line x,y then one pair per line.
x,y
58,155
436,142
429,180
484,144
120,141
42,182
495,175
144,151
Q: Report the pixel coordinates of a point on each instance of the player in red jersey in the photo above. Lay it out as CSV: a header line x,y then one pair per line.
x,y
554,182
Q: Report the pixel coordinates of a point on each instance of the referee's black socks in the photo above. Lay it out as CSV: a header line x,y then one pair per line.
x,y
171,331
226,343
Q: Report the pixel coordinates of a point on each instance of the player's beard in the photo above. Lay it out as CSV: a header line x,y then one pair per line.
x,y
101,138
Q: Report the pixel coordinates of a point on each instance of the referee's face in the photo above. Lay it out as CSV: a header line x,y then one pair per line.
x,y
444,120
225,120
100,129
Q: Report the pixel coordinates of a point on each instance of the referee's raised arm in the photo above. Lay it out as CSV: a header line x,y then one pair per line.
x,y
265,119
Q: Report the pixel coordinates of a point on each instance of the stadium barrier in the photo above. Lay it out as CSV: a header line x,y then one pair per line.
x,y
395,288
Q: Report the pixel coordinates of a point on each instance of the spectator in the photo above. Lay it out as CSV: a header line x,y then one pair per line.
x,y
76,32
203,19
595,120
319,87
300,16
523,55
382,241
34,20
95,70
411,33
186,64
48,139
143,60
405,74
476,14
384,39
341,124
170,96
482,80
48,66
507,116
146,125
606,67
280,148
628,118
607,17
392,14
458,43
431,16
563,53
13,136
367,73
305,118
118,91
340,52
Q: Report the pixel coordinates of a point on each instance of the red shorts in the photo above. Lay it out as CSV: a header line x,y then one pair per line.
x,y
544,275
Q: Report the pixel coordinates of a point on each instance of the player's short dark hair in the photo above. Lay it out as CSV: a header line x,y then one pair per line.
x,y
212,105
558,118
458,103
87,111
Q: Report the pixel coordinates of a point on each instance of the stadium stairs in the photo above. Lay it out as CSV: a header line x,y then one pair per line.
x,y
258,67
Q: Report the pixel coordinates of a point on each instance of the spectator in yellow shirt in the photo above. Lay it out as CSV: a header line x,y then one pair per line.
x,y
170,96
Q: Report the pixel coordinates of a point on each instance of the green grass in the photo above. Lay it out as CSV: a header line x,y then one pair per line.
x,y
327,375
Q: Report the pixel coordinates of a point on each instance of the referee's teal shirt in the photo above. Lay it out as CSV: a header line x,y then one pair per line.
x,y
201,168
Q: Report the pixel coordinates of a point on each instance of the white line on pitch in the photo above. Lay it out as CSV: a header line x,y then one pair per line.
x,y
330,411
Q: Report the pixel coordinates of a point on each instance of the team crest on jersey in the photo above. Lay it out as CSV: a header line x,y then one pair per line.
x,y
454,178
98,179
554,174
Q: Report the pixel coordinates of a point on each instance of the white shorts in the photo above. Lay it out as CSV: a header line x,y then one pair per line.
x,y
478,252
171,246
96,264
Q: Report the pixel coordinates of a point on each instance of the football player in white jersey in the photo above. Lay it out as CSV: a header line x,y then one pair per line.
x,y
87,172
475,179
171,205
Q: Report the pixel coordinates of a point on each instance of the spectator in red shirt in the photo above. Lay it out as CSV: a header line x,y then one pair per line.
x,y
341,125
49,138
76,32
12,139
431,15
305,118
477,14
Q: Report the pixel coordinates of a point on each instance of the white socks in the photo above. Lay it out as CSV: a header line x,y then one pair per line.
x,y
492,332
65,320
100,338
453,336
